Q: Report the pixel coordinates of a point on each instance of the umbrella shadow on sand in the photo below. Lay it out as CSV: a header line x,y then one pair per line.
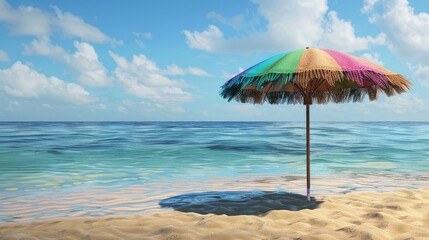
x,y
233,203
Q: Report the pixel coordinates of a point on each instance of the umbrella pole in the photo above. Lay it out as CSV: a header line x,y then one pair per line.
x,y
308,148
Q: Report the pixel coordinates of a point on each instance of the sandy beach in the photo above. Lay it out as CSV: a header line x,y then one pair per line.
x,y
400,214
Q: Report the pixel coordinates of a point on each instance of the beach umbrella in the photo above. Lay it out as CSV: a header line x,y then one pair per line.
x,y
309,76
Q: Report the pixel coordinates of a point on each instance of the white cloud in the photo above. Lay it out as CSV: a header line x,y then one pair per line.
x,y
20,81
73,26
101,106
340,34
228,75
150,107
368,5
407,106
206,40
196,71
406,30
140,43
173,69
236,22
147,35
3,56
421,74
12,106
44,47
290,25
141,77
27,20
140,35
278,36
293,24
373,57
121,109
84,61
125,105
408,37
405,103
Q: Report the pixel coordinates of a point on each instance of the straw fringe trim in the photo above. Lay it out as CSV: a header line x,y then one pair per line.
x,y
369,83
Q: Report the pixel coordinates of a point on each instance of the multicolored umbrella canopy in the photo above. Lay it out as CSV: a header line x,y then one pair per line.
x,y
313,75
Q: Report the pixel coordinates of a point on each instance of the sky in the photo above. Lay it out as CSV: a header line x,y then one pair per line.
x,y
159,60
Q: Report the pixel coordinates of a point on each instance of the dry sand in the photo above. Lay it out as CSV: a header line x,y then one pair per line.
x,y
402,214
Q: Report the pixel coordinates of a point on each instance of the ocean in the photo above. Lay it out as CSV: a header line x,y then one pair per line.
x,y
82,169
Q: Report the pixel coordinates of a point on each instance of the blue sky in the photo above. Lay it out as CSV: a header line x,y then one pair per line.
x,y
165,60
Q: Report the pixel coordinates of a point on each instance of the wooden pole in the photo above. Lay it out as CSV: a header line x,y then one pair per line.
x,y
308,148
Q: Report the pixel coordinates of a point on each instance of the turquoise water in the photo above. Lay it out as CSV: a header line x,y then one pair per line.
x,y
62,165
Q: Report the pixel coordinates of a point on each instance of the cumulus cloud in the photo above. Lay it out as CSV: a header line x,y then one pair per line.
x,y
83,62
229,75
406,30
73,26
44,47
368,5
373,57
339,34
236,22
296,23
142,35
405,103
141,77
209,40
20,81
421,74
147,35
317,27
27,20
3,56
173,69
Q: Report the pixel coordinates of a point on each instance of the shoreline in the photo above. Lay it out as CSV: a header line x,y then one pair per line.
x,y
18,207
399,214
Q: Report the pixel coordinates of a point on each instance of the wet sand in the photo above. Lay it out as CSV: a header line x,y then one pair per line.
x,y
23,206
400,214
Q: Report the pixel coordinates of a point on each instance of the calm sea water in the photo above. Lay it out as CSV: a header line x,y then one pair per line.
x,y
66,169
